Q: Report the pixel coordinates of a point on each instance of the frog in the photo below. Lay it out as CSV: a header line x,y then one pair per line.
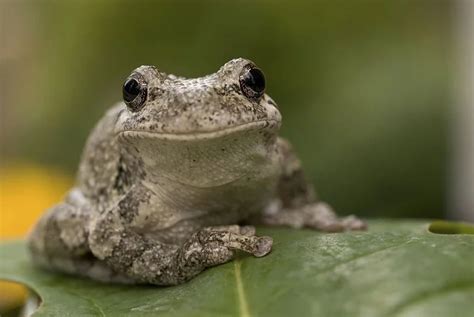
x,y
174,179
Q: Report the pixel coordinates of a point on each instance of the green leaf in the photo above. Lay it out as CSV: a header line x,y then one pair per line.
x,y
397,268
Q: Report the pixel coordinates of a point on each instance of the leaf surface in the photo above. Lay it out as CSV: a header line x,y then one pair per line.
x,y
397,268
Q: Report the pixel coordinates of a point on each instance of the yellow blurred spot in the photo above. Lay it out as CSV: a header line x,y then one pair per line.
x,y
12,295
25,192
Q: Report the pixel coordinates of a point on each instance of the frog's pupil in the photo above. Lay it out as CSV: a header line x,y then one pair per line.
x,y
131,89
256,80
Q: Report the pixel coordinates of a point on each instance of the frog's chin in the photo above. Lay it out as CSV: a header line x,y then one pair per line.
x,y
264,125
237,156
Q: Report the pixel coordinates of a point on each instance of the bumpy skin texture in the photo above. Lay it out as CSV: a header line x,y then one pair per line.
x,y
169,189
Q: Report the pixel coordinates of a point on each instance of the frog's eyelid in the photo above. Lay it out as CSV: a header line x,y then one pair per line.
x,y
148,72
155,71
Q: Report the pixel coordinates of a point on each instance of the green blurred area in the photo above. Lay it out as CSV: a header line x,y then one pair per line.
x,y
364,86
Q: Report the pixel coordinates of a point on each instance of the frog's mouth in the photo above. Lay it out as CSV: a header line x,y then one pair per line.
x,y
267,125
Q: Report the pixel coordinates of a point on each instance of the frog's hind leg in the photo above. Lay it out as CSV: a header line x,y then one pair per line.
x,y
85,266
297,205
59,243
61,232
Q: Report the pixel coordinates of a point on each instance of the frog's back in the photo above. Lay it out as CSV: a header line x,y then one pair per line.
x,y
100,159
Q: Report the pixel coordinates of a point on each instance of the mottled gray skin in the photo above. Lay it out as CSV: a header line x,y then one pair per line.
x,y
169,190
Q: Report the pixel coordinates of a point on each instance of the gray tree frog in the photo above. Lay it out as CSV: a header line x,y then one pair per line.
x,y
172,179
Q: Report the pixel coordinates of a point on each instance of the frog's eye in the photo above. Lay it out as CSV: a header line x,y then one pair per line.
x,y
134,93
252,82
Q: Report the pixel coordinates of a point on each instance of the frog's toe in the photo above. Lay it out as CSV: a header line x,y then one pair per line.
x,y
247,230
263,246
353,223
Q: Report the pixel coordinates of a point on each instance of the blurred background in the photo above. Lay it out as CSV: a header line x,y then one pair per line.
x,y
369,91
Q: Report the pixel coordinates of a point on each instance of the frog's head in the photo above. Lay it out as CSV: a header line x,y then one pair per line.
x,y
231,99
227,110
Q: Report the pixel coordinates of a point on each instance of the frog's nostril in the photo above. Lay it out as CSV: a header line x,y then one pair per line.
x,y
271,102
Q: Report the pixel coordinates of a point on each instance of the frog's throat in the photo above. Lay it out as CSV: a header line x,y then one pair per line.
x,y
267,125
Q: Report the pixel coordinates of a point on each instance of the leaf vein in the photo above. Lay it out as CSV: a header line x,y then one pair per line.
x,y
243,305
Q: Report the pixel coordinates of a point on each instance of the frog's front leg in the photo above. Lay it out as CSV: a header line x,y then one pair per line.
x,y
296,204
125,250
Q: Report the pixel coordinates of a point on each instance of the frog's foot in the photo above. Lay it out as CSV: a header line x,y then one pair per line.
x,y
318,216
212,246
218,243
322,217
353,223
